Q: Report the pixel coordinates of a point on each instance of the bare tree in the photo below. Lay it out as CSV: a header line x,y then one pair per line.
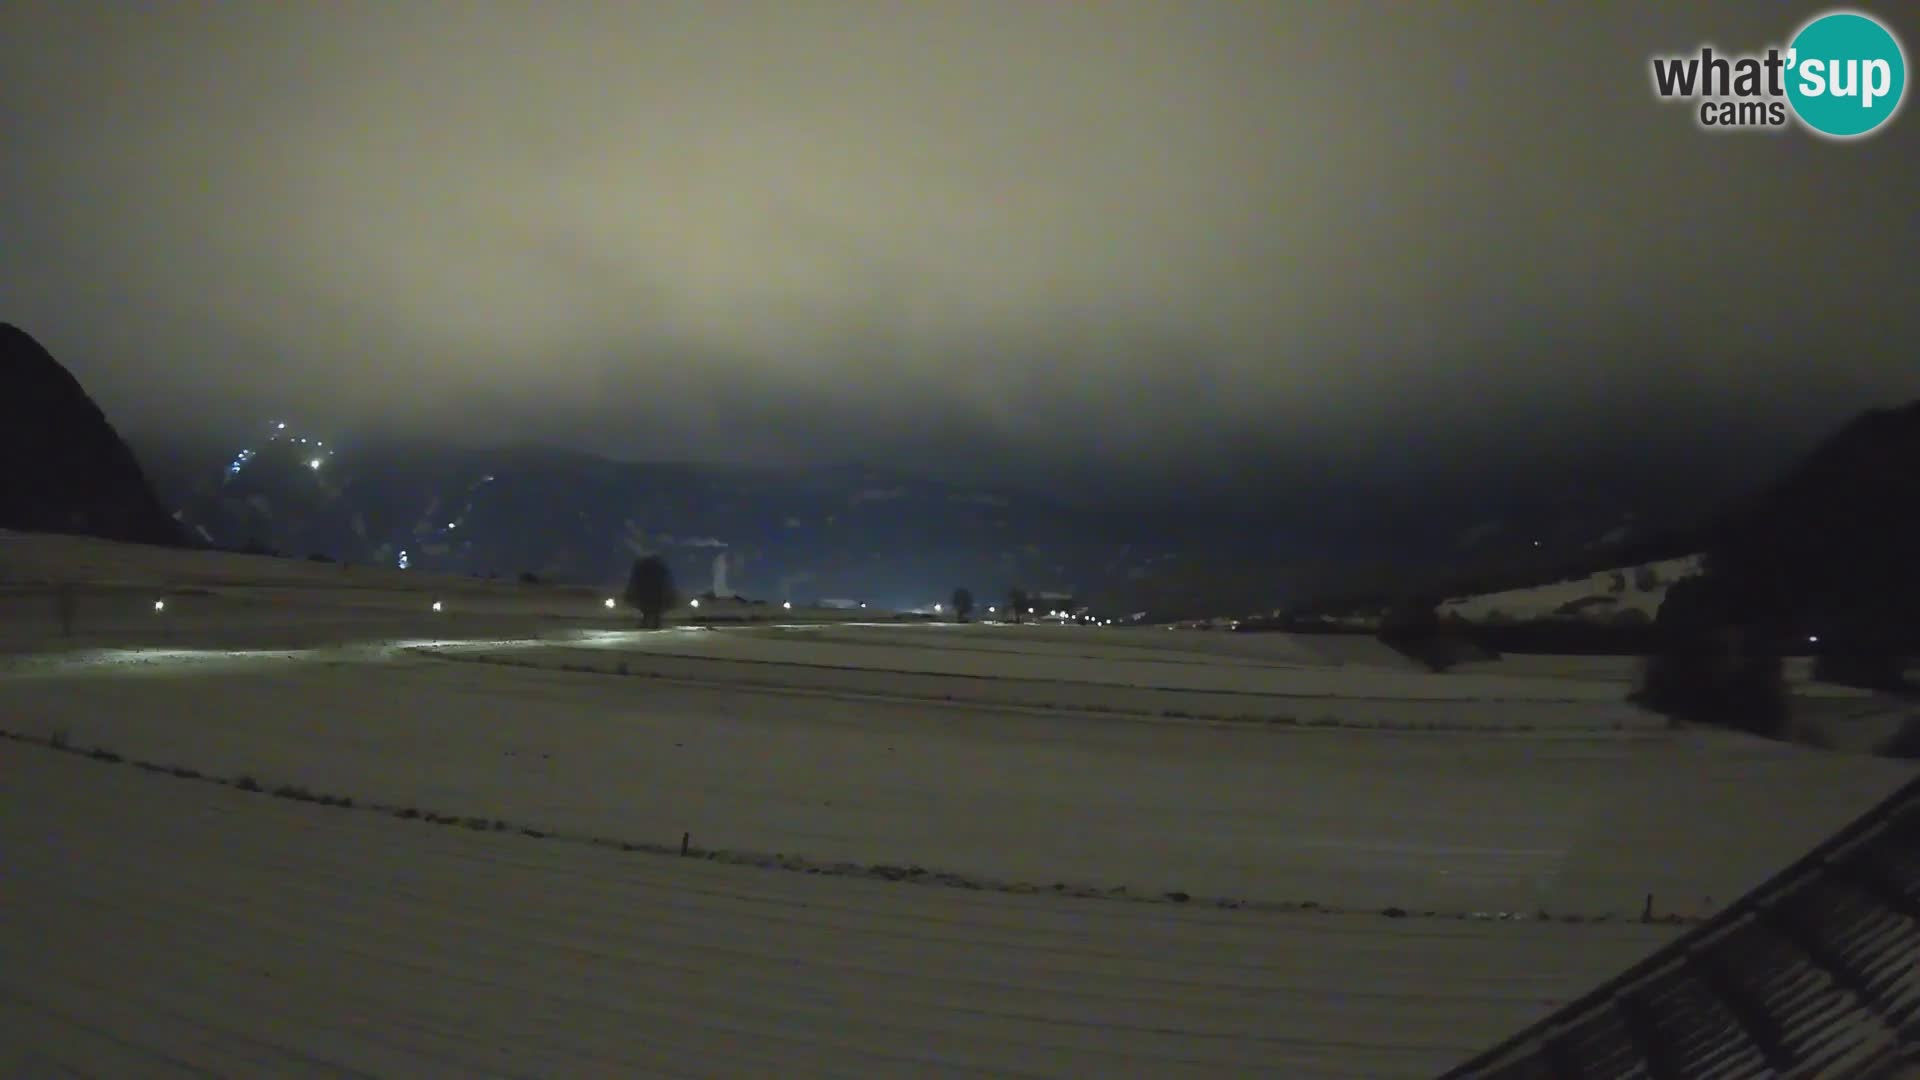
x,y
1017,602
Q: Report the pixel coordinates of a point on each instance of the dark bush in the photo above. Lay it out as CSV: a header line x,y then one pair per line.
x,y
1413,627
1714,661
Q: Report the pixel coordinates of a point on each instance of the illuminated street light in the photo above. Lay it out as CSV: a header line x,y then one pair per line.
x,y
159,605
609,603
788,604
936,609
314,464
695,603
436,605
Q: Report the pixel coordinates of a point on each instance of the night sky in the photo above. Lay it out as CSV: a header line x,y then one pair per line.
x,y
1089,248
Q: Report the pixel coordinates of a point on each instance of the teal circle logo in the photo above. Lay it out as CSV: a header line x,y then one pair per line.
x,y
1846,74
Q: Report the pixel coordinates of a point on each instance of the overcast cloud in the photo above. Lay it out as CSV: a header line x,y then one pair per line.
x,y
1171,243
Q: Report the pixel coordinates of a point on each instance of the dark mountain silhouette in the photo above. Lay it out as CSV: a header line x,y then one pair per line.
x,y
1832,549
1822,559
849,531
63,468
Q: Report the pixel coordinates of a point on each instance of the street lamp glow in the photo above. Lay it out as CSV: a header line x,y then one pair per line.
x,y
609,603
314,464
936,609
436,605
788,604
159,605
694,603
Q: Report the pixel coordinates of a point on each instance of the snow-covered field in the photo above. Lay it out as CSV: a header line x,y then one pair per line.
x,y
1117,851
158,927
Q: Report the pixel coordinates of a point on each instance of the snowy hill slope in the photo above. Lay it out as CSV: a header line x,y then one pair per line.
x,y
1628,593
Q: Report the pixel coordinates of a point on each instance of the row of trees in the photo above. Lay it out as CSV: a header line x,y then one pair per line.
x,y
650,591
1017,603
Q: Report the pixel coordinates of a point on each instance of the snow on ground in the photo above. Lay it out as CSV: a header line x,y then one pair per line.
x,y
284,603
1600,596
159,927
1078,655
1068,761
1363,819
1624,671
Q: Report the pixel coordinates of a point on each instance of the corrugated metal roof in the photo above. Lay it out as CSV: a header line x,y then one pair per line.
x,y
1816,973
